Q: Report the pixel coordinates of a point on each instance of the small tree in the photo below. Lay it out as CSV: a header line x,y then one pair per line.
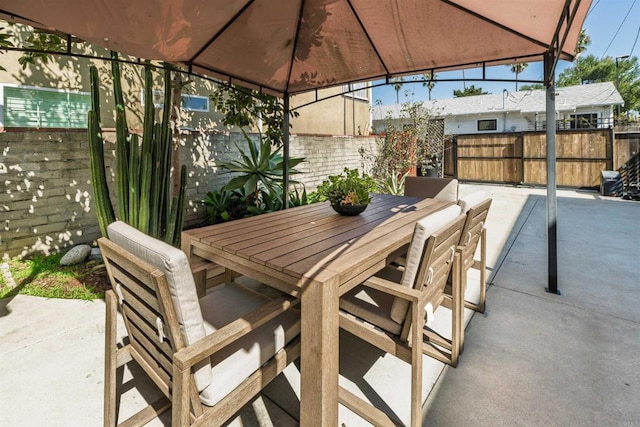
x,y
242,107
469,91
403,145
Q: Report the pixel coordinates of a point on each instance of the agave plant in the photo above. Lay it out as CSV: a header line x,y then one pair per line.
x,y
392,183
261,167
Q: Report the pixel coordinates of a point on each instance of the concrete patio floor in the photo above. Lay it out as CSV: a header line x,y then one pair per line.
x,y
532,359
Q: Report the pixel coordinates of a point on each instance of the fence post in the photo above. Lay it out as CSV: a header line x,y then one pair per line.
x,y
454,150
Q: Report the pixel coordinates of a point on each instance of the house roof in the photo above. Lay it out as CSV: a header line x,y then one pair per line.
x,y
525,101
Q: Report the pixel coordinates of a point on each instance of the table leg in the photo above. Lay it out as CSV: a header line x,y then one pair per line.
x,y
319,358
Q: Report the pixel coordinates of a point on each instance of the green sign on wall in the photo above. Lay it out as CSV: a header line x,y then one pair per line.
x,y
43,108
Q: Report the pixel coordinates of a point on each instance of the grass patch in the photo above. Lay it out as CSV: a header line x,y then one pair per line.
x,y
43,276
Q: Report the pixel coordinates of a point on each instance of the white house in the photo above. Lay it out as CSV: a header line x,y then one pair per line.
x,y
584,106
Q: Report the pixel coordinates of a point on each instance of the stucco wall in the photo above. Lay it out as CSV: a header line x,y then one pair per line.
x,y
46,198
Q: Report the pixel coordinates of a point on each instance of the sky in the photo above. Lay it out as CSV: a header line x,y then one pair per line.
x,y
612,25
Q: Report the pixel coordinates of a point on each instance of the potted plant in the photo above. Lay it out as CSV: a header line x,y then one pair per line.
x,y
348,192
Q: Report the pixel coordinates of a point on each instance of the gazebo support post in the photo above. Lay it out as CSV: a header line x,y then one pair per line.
x,y
552,205
285,149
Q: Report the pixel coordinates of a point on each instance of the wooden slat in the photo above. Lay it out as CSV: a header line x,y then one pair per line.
x,y
367,411
158,375
148,330
149,346
136,289
283,241
377,243
150,412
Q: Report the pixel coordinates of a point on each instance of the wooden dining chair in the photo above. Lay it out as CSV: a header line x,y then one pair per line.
x,y
432,188
208,356
390,313
476,206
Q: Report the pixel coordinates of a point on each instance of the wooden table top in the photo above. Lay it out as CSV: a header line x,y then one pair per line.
x,y
308,240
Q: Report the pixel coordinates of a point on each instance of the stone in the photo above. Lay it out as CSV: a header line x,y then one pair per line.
x,y
76,255
95,255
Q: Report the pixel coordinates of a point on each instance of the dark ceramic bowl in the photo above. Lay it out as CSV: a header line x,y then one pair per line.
x,y
349,210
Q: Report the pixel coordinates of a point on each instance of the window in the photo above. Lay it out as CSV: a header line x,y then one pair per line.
x,y
189,102
356,90
34,107
195,103
584,121
487,124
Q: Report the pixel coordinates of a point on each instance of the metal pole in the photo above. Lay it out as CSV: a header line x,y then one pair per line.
x,y
552,206
618,80
285,165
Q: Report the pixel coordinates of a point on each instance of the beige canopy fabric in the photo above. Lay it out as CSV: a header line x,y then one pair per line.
x,y
293,46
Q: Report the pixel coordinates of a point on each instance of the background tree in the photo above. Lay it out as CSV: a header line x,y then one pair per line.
x,y
5,42
535,86
583,41
429,83
517,69
589,69
469,91
397,85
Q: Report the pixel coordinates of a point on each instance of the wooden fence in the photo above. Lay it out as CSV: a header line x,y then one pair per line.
x,y
520,157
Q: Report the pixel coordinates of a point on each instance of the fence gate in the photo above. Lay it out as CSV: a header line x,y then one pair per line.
x,y
520,157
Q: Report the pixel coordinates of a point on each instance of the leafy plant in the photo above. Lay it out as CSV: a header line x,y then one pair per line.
x,y
348,188
392,183
297,198
225,205
242,107
5,42
261,167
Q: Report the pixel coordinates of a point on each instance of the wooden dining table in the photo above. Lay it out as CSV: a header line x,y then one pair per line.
x,y
314,254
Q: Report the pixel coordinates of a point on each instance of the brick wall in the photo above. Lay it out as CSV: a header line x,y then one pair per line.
x,y
46,198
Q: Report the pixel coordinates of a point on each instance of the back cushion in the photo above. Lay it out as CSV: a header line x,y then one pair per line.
x,y
471,200
433,188
174,264
423,230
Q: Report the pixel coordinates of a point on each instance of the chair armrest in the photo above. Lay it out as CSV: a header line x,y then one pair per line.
x,y
393,288
205,347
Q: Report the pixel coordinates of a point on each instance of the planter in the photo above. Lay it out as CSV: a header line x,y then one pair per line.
x,y
349,210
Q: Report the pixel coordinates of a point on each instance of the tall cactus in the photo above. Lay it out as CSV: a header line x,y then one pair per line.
x,y
143,169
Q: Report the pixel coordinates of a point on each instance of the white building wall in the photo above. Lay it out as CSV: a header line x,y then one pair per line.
x,y
511,121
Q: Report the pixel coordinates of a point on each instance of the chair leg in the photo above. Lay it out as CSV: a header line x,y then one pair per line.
x,y
180,402
416,365
457,309
110,352
483,269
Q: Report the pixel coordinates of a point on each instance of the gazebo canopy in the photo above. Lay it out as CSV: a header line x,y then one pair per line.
x,y
292,46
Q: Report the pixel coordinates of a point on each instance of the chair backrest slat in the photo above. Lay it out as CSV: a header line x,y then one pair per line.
x,y
136,287
439,255
476,217
150,331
